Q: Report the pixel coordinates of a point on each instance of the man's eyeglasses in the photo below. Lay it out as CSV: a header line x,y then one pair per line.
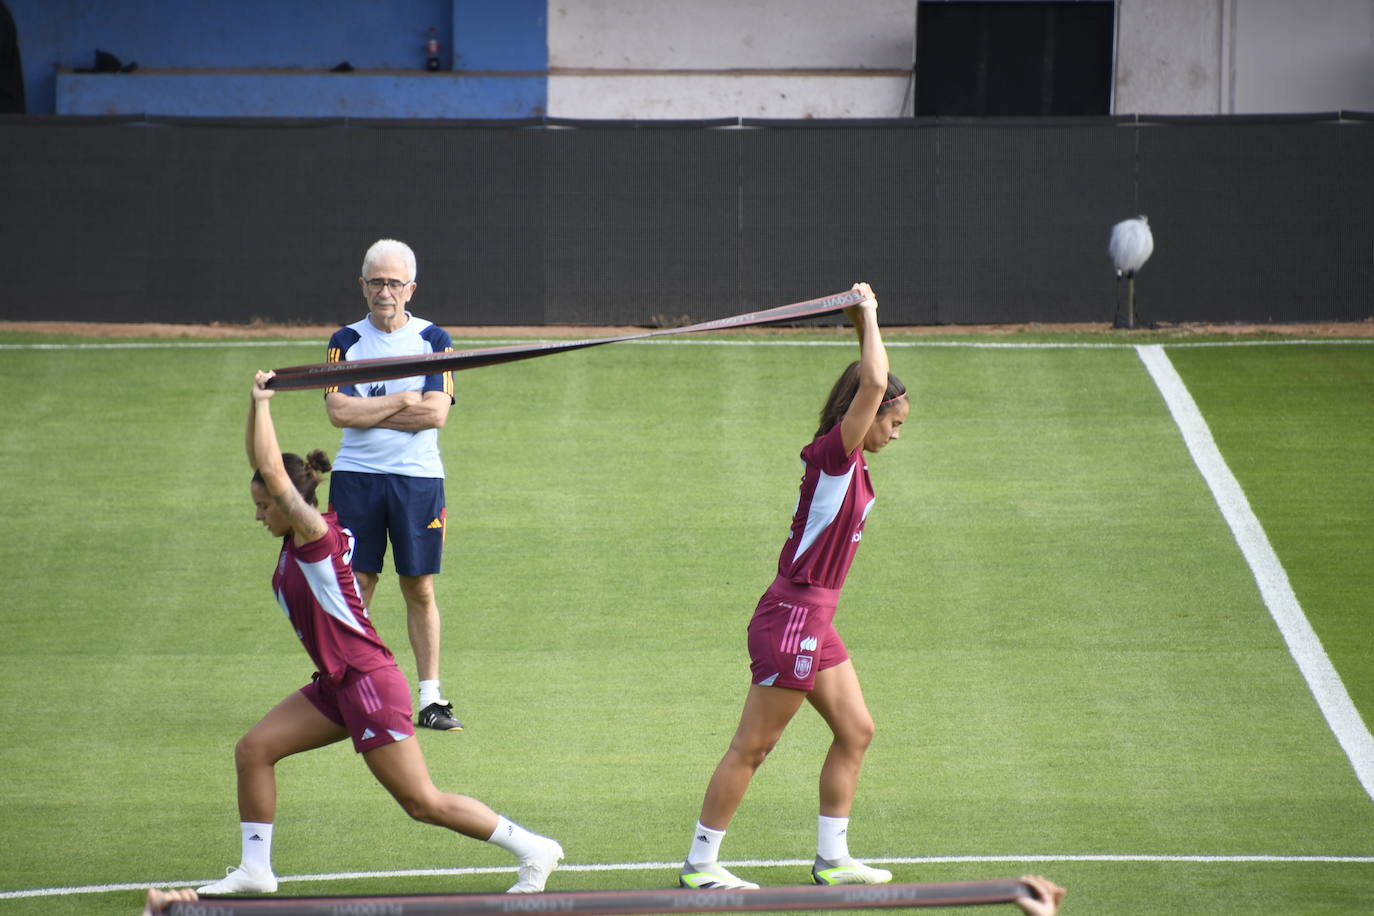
x,y
376,284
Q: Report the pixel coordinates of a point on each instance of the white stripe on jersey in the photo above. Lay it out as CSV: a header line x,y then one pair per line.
x,y
825,505
324,585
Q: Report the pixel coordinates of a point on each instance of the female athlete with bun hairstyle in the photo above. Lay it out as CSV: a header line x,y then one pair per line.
x,y
357,691
795,653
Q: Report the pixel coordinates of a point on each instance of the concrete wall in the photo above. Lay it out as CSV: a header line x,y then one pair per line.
x,y
1168,57
303,95
1244,56
645,59
1309,56
266,58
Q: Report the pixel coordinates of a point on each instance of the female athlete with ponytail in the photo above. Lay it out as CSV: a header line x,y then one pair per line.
x,y
357,690
795,652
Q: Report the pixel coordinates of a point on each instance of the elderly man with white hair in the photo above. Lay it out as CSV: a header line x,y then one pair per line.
x,y
388,479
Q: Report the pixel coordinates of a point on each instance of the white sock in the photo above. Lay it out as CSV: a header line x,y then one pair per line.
x,y
515,839
429,693
705,845
832,838
257,847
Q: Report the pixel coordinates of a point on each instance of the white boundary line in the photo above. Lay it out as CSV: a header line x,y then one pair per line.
x,y
672,867
1277,592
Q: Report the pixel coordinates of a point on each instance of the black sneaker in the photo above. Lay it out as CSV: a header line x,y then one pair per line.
x,y
439,716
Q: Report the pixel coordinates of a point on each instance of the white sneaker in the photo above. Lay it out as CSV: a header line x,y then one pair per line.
x,y
711,876
847,871
536,868
241,881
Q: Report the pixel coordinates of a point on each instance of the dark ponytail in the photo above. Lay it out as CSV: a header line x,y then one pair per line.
x,y
842,395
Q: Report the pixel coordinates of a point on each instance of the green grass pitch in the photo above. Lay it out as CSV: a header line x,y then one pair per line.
x,y
1071,668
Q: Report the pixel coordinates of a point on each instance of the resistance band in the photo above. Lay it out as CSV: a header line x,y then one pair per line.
x,y
609,903
329,375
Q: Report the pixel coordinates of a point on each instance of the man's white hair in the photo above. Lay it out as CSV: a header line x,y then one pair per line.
x,y
383,247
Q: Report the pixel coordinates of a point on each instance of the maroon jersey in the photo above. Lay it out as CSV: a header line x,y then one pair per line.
x,y
315,587
836,494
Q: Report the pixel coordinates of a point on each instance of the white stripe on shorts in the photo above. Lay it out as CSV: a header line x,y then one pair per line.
x,y
791,635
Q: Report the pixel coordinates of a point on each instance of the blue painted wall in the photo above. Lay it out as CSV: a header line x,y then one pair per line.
x,y
501,35
291,44
385,94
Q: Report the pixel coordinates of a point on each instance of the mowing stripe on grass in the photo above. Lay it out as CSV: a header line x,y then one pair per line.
x,y
735,863
1277,592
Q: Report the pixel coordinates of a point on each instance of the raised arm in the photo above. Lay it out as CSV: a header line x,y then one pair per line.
x,y
264,454
873,369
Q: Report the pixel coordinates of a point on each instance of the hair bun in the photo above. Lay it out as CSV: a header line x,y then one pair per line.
x,y
318,462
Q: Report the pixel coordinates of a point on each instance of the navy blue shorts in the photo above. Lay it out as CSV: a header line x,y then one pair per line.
x,y
407,510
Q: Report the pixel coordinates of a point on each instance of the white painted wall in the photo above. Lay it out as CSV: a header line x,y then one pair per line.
x,y
731,34
642,96
1314,55
648,59
651,59
1244,56
1168,57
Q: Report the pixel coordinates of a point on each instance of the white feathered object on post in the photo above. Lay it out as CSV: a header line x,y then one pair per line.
x,y
1129,247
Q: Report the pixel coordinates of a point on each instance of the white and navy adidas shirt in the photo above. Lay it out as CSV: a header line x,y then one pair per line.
x,y
833,504
391,451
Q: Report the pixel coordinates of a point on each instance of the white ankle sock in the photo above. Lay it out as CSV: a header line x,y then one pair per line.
x,y
430,693
515,839
832,838
705,845
257,847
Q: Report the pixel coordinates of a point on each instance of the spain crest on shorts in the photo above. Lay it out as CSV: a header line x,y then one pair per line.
x,y
802,669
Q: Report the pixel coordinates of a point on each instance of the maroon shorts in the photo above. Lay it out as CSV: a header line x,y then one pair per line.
x,y
791,636
374,706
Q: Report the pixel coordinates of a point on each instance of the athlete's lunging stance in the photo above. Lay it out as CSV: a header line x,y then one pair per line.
x,y
357,691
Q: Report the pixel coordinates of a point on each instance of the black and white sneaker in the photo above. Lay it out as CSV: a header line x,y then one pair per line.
x,y
439,716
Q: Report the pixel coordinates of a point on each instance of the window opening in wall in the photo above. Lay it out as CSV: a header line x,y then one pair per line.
x,y
1016,57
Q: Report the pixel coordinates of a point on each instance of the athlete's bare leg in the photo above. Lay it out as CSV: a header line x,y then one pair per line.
x,y
292,726
767,710
840,701
400,767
